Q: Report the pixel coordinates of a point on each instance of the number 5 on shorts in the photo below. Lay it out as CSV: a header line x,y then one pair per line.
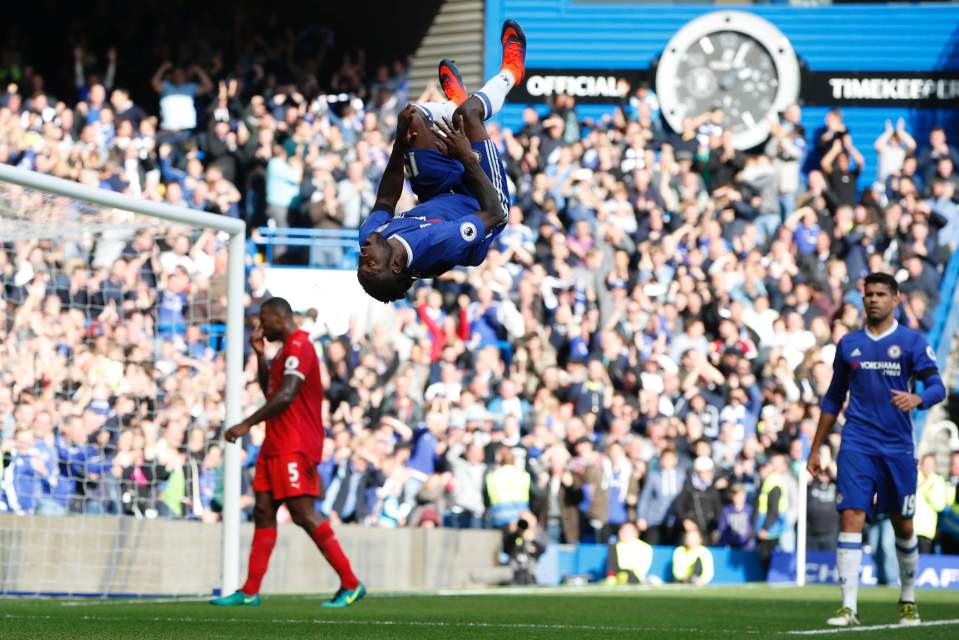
x,y
909,506
295,473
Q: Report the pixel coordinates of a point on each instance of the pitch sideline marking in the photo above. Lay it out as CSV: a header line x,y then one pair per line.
x,y
393,623
875,627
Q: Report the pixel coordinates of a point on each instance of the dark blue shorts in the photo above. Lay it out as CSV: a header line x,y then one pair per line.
x,y
876,483
431,173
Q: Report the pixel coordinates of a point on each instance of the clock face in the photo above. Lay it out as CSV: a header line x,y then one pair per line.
x,y
732,60
731,70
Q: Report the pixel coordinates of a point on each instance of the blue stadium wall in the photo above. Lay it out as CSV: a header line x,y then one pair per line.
x,y
619,35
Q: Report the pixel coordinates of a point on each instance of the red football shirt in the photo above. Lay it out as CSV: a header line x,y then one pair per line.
x,y
300,427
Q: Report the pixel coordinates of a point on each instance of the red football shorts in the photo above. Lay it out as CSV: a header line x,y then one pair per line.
x,y
286,476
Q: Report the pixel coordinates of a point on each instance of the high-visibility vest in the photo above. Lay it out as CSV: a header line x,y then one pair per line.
x,y
685,559
930,500
508,490
773,481
949,517
635,556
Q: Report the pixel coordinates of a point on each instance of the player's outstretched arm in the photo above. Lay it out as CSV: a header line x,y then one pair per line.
x,y
458,147
274,406
391,184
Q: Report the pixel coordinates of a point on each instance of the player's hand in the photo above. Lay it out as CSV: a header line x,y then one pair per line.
x,y
256,340
236,431
905,401
813,465
454,139
404,136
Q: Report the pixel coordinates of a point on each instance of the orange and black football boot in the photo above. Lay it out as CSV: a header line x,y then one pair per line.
x,y
452,82
514,50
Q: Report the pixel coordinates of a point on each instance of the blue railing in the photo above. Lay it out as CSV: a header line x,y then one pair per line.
x,y
945,323
329,248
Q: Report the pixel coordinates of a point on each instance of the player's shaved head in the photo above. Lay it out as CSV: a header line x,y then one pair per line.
x,y
276,318
379,273
385,286
279,305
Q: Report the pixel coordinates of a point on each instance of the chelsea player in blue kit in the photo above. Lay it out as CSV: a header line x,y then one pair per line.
x,y
455,172
877,470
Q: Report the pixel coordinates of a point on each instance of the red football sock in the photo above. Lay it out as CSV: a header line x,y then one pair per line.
x,y
329,546
263,543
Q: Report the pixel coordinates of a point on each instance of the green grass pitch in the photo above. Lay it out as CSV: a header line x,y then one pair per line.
x,y
756,611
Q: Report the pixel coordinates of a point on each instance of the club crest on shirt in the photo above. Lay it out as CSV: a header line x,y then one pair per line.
x,y
468,231
477,156
894,351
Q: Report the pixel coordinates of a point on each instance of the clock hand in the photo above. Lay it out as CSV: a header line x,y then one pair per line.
x,y
740,58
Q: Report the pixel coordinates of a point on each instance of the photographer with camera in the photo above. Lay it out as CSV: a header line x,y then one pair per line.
x,y
524,543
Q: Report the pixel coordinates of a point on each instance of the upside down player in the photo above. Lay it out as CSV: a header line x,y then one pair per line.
x,y
456,173
877,461
286,467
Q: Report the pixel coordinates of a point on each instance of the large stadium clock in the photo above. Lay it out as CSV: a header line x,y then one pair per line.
x,y
733,60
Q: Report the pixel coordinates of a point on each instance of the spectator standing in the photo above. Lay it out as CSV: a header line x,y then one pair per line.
x,y
842,165
283,176
893,145
558,496
823,520
736,521
468,469
508,490
178,89
655,509
772,508
699,505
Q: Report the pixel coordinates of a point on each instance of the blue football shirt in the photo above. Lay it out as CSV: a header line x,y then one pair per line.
x,y
438,235
869,367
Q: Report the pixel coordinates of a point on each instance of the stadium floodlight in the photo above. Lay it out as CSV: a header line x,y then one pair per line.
x,y
87,353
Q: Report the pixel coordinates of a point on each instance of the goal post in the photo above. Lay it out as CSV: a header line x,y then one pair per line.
x,y
17,224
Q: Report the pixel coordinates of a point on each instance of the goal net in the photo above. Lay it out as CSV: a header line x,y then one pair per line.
x,y
120,351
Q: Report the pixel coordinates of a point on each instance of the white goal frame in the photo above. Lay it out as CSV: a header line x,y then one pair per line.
x,y
236,229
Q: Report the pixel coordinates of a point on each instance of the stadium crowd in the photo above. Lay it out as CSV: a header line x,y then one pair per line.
x,y
646,346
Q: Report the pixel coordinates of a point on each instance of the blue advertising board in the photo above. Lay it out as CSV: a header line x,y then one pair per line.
x,y
935,571
731,566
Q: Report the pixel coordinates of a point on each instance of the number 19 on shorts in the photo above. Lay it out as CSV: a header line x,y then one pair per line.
x,y
909,506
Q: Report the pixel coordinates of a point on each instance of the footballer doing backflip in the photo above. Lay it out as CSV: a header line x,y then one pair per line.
x,y
876,365
286,466
455,172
